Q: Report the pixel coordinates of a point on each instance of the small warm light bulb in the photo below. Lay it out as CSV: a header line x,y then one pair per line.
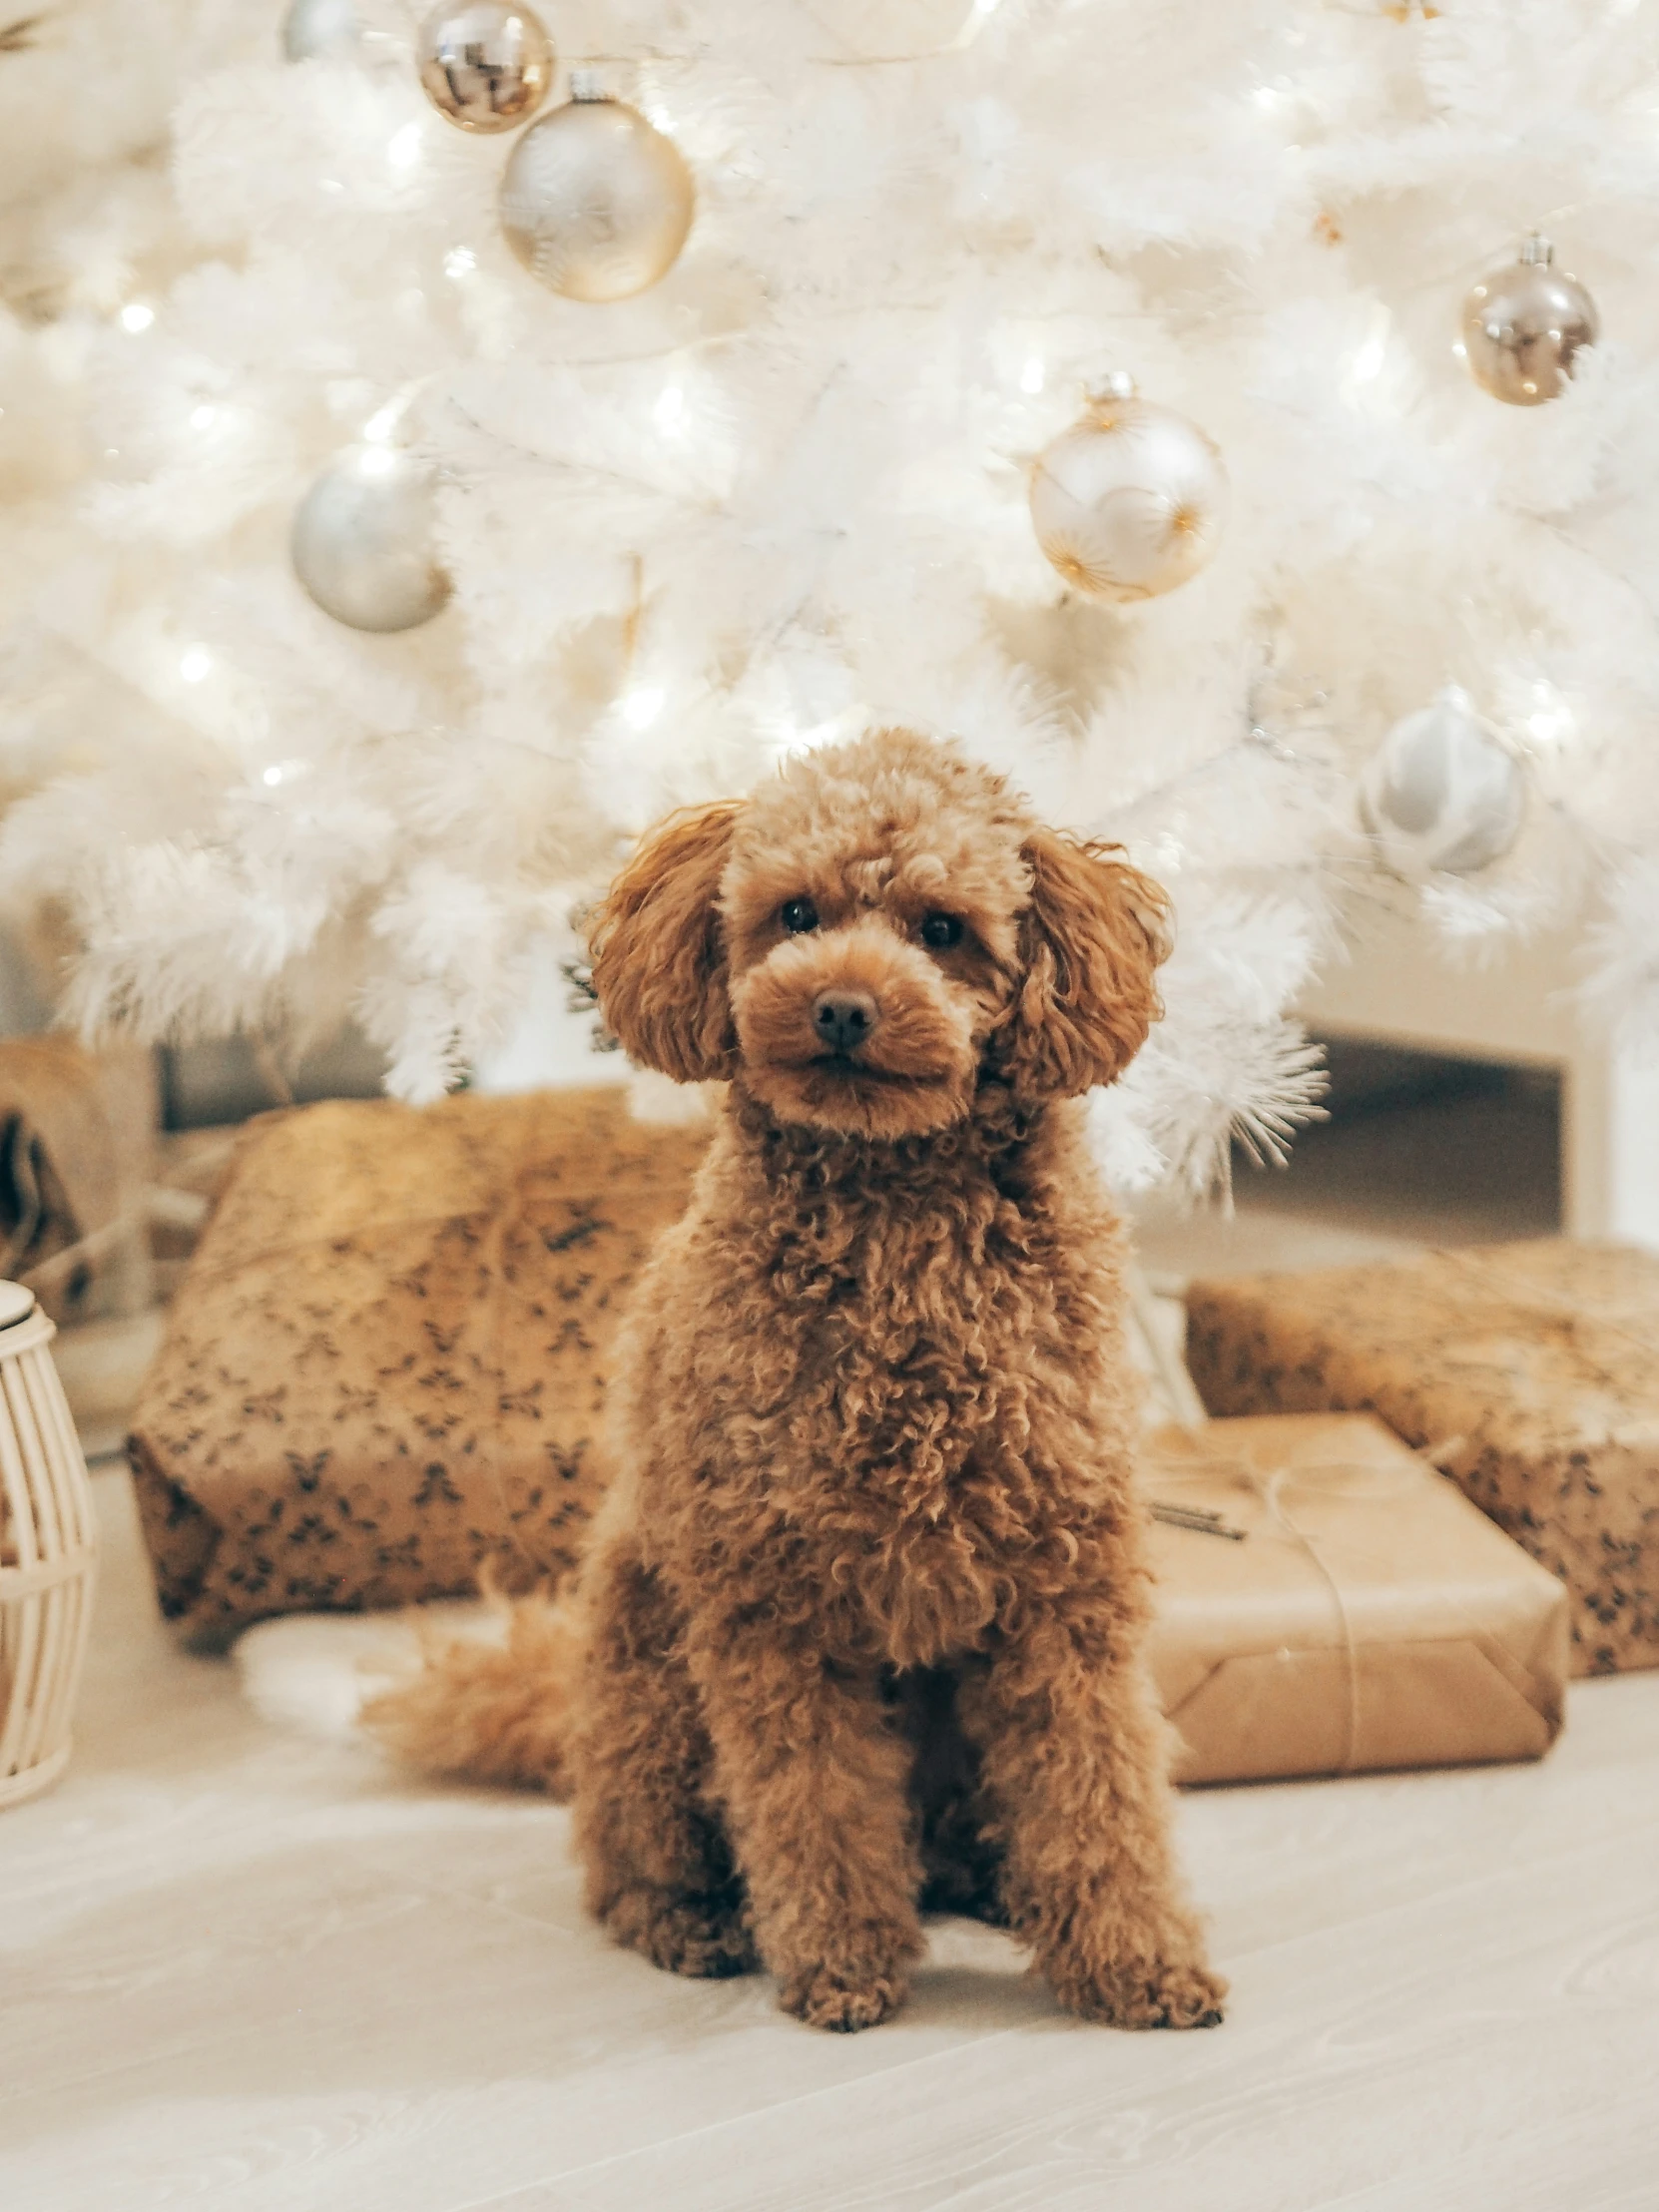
x,y
1031,375
642,707
272,777
671,406
1364,363
135,317
194,664
1552,718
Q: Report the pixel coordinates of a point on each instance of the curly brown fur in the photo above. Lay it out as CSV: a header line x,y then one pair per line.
x,y
861,1619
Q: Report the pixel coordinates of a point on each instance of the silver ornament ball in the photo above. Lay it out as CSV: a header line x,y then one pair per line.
x,y
1130,501
1524,326
594,201
363,536
485,65
314,29
1439,794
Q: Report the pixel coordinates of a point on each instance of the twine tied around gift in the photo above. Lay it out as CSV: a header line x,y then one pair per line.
x,y
1328,1474
1537,1303
1181,1396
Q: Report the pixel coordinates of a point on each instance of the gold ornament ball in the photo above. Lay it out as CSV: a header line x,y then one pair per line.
x,y
363,542
1130,501
485,66
595,202
1524,325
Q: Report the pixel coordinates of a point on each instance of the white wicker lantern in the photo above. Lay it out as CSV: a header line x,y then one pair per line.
x,y
48,1553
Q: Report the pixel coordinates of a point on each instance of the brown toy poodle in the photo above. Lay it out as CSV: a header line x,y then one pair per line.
x,y
858,1630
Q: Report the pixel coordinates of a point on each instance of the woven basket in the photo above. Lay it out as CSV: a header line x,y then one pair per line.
x,y
48,1553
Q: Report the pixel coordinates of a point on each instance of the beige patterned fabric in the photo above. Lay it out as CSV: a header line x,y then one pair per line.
x,y
1535,1365
385,1366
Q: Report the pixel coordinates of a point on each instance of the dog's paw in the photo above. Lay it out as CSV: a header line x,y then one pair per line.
x,y
699,1936
1144,1993
841,2001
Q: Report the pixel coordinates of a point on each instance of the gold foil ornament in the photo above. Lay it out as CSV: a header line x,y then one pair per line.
x,y
1524,325
485,65
596,203
1130,501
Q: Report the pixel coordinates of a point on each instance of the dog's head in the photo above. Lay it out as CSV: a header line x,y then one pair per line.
x,y
874,937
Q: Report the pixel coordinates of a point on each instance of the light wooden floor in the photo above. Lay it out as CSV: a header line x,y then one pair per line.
x,y
243,1971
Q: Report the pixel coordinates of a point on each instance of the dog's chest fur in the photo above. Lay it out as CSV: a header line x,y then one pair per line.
x,y
892,1398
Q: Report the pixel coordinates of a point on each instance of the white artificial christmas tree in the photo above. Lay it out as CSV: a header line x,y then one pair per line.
x,y
784,491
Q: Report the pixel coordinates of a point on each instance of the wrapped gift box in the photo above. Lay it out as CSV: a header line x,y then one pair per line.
x,y
1529,1371
1328,1604
384,1367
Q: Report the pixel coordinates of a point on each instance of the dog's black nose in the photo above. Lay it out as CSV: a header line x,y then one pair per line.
x,y
844,1020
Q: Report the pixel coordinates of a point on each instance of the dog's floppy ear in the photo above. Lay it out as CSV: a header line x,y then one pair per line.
x,y
1090,941
659,959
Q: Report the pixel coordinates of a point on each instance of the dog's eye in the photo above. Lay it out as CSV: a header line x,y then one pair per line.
x,y
799,917
942,931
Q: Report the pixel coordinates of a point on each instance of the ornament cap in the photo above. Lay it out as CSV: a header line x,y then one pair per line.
x,y
1117,383
1536,251
588,86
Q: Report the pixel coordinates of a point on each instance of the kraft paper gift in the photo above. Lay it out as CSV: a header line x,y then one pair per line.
x,y
1329,1604
1529,1371
384,1367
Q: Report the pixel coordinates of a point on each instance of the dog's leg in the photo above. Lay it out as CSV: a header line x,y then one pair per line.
x,y
659,1871
813,1777
1074,1765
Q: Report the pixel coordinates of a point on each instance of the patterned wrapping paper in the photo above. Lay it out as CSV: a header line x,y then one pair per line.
x,y
1329,1604
385,1366
1531,1371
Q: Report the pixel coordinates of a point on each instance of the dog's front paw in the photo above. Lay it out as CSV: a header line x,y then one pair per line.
x,y
843,2000
707,1939
1143,1993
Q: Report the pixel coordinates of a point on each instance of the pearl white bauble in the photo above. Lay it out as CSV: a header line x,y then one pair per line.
x,y
363,536
1439,794
485,64
314,28
1130,501
1524,325
595,202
